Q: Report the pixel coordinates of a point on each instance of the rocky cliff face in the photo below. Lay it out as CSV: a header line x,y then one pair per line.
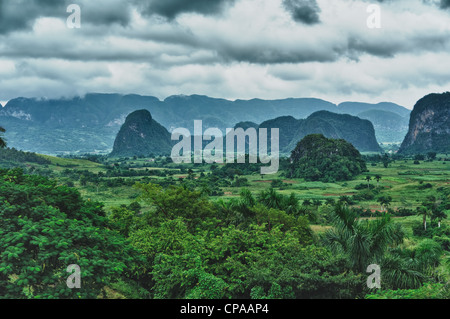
x,y
141,135
429,126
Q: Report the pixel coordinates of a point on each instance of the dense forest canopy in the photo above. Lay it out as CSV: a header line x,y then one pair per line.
x,y
317,158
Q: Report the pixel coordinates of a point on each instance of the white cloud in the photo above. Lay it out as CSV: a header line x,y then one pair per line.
x,y
254,48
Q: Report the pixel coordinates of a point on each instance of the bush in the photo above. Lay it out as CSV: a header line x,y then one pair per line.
x,y
364,195
425,186
427,291
364,186
403,212
432,230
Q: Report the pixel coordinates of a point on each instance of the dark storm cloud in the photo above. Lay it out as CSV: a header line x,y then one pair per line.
x,y
269,55
105,12
171,8
21,14
304,11
445,4
17,15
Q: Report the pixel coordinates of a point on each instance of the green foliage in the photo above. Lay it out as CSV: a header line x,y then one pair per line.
x,y
427,291
367,242
44,229
317,158
177,201
186,243
12,157
261,249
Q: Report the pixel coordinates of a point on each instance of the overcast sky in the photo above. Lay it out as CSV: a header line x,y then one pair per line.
x,y
234,49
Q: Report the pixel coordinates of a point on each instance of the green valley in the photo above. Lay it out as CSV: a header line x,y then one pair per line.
x,y
175,217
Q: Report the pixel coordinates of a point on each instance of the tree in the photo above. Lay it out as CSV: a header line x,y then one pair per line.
x,y
439,215
271,199
363,241
366,242
431,155
176,202
384,201
377,178
419,157
2,141
424,212
433,209
368,179
345,200
44,228
307,202
317,202
317,158
386,160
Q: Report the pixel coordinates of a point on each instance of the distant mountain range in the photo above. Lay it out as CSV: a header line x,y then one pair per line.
x,y
91,123
141,135
354,130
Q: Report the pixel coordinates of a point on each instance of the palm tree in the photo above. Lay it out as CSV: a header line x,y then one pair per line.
x,y
377,178
307,202
291,204
247,198
423,211
363,241
317,202
436,207
385,201
271,199
367,242
346,200
368,179
2,141
439,215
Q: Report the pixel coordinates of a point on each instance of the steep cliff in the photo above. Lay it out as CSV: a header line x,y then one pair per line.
x,y
141,135
429,126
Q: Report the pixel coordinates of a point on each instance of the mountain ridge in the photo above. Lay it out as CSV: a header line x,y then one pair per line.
x,y
54,126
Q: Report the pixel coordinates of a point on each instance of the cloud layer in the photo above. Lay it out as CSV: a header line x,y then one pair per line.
x,y
226,48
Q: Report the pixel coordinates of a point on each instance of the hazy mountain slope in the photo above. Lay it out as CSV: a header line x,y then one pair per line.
x,y
389,126
354,130
355,108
